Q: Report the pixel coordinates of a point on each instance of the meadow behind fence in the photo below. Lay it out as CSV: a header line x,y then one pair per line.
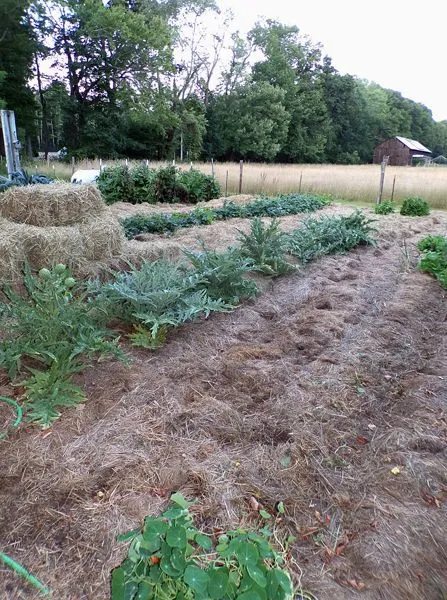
x,y
359,183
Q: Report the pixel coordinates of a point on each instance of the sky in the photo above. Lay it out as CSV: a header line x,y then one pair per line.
x,y
399,44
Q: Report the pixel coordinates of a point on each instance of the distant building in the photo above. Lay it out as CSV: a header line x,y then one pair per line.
x,y
401,151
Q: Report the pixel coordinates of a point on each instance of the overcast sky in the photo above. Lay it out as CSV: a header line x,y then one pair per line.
x,y
399,44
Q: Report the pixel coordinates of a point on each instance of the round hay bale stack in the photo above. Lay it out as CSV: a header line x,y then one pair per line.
x,y
54,205
59,223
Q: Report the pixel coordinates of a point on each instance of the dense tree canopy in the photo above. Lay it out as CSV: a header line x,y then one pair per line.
x,y
160,79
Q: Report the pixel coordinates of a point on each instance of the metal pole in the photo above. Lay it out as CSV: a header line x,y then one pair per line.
x,y
241,171
12,144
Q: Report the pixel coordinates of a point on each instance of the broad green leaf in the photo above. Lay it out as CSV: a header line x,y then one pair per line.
x,y
265,515
247,553
280,508
149,546
155,573
175,513
180,500
256,574
272,584
283,580
196,578
218,583
129,535
178,560
204,541
176,537
166,567
145,591
121,588
154,527
250,595
285,461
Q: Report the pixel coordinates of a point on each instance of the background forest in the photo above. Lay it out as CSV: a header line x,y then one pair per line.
x,y
155,79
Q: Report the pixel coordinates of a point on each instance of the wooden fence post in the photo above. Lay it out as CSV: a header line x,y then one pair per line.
x,y
241,172
382,178
301,180
226,184
392,191
212,168
72,165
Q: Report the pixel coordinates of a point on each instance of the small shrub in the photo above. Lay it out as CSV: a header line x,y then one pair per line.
x,y
171,559
200,187
222,274
415,207
143,184
384,208
434,259
265,248
116,185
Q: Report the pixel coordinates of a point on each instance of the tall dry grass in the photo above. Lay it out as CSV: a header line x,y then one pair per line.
x,y
357,183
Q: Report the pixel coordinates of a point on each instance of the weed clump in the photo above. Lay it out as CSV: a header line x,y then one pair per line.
x,y
434,258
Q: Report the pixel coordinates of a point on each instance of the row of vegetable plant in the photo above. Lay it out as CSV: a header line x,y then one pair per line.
x,y
434,257
278,206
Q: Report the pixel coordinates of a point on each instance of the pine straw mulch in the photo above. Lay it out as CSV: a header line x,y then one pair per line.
x,y
310,394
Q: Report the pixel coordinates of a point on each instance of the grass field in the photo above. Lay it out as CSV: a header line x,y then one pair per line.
x,y
358,183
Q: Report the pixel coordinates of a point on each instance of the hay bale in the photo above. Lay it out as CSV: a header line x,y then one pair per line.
x,y
48,224
102,238
54,205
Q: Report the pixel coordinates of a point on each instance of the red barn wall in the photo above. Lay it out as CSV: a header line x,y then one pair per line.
x,y
400,155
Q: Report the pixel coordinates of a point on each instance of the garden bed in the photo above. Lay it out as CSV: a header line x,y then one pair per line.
x,y
327,393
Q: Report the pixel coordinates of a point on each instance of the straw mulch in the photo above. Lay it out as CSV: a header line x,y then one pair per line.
x,y
48,224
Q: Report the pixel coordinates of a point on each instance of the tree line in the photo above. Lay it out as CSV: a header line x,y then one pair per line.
x,y
159,79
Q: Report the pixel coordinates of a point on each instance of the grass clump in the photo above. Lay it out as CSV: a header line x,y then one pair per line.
x,y
329,235
384,208
415,207
51,333
171,559
434,258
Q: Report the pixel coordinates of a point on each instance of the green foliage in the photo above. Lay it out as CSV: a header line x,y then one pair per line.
x,y
384,208
116,185
54,327
434,258
166,184
157,296
415,207
222,274
265,248
329,235
286,204
170,559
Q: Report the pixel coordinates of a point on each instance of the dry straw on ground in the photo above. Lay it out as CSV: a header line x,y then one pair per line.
x,y
47,224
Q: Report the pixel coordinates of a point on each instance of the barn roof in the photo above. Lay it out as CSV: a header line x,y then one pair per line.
x,y
412,144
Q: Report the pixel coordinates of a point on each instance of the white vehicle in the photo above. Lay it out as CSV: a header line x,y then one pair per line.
x,y
85,176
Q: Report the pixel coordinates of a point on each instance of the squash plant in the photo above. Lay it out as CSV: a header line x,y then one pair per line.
x,y
170,559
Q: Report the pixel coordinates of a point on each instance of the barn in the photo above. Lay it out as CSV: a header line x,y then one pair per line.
x,y
401,151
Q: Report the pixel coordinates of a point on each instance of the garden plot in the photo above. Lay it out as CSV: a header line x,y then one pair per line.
x,y
327,393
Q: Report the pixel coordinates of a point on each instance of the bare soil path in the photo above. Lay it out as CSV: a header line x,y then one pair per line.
x,y
327,392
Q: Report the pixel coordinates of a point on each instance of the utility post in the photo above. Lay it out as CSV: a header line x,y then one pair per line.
x,y
12,144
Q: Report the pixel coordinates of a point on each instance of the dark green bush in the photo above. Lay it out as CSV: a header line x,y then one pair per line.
x,y
166,184
384,208
200,187
415,207
116,185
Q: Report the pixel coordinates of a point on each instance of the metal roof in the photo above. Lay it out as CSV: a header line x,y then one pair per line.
x,y
412,144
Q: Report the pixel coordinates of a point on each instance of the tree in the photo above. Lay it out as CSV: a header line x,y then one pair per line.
x,y
16,56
